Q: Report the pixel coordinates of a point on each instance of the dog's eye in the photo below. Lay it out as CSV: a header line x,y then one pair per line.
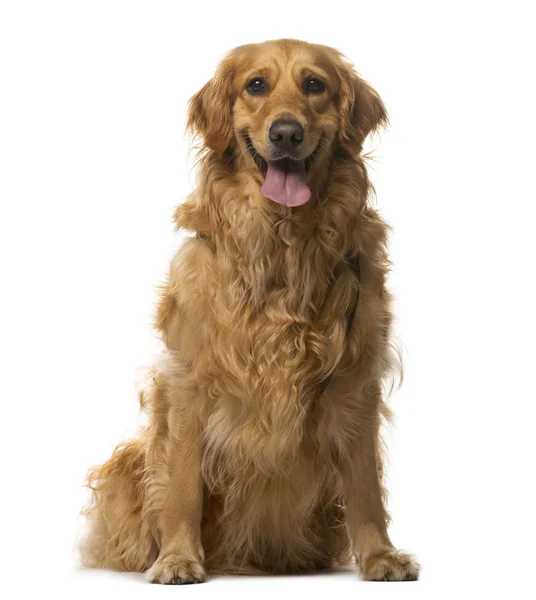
x,y
312,85
256,86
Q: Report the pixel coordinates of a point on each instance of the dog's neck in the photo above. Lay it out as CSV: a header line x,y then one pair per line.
x,y
271,246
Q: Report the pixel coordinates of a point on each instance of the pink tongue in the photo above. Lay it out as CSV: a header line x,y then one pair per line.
x,y
285,182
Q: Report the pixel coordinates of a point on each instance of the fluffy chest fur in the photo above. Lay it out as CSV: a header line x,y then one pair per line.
x,y
267,350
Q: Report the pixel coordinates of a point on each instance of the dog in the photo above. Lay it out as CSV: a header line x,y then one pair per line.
x,y
262,450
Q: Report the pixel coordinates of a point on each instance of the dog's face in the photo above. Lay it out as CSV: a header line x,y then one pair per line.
x,y
286,107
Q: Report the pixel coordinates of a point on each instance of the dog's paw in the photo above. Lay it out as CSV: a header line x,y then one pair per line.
x,y
390,566
176,569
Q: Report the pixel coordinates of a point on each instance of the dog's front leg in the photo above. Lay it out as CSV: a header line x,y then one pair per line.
x,y
366,515
181,556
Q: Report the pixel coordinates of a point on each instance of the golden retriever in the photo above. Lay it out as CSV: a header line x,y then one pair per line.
x,y
262,449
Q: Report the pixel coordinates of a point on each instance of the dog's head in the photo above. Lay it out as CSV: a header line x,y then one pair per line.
x,y
285,108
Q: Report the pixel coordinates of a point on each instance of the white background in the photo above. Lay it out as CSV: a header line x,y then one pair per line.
x,y
92,161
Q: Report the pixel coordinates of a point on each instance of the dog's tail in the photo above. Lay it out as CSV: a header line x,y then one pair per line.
x,y
117,536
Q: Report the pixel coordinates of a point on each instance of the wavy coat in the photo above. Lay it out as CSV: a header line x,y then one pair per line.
x,y
243,466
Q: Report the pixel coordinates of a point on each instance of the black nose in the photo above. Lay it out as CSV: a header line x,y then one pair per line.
x,y
286,134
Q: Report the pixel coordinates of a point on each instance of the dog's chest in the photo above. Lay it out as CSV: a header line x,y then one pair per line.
x,y
277,329
281,347
269,369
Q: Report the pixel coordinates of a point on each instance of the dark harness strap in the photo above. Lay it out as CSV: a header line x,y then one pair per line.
x,y
354,264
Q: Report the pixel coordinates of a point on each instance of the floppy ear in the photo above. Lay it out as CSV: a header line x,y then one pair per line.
x,y
210,110
361,110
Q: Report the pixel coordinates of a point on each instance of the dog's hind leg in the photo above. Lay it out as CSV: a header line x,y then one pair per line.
x,y
118,537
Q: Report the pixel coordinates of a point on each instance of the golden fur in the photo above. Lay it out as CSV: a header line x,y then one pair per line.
x,y
243,467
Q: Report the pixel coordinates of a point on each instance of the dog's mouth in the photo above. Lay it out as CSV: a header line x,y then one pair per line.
x,y
285,178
